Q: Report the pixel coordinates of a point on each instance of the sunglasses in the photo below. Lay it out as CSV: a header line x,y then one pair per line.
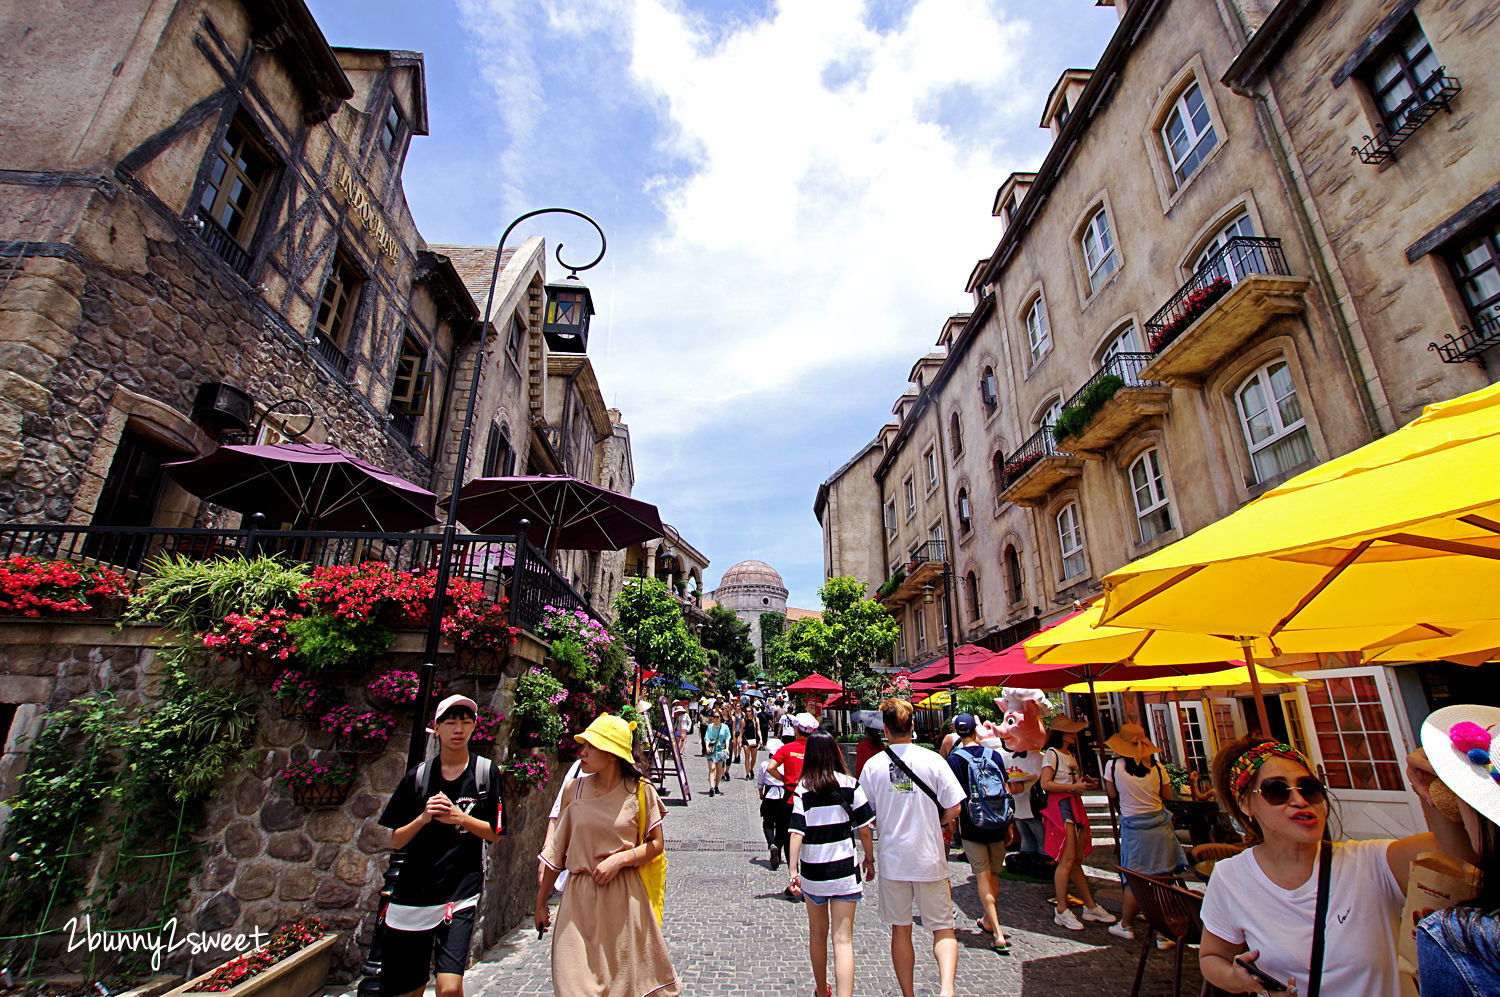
x,y
1277,791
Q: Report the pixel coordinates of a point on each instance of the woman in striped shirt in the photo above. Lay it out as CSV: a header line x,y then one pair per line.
x,y
827,809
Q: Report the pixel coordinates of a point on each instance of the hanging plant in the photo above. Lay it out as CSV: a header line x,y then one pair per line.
x,y
299,695
35,586
359,730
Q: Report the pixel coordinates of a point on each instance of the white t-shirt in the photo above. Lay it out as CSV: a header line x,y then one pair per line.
x,y
775,788
1022,766
1140,795
1064,766
910,847
1243,906
575,772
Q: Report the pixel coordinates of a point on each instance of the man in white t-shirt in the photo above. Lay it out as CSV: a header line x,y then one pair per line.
x,y
914,794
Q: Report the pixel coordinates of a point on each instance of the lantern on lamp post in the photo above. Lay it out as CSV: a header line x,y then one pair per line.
x,y
565,323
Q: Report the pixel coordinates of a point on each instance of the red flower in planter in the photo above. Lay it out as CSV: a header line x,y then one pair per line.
x,y
30,586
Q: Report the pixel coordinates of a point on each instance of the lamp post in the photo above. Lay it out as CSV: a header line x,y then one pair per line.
x,y
948,621
570,322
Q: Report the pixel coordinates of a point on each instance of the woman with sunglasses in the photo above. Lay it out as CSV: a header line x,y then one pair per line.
x,y
1261,905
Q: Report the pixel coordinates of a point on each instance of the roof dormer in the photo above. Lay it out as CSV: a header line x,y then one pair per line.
x,y
1009,197
923,371
1063,99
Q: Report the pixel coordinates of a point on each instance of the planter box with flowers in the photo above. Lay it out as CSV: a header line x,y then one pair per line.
x,y
294,963
486,729
359,731
1194,305
397,690
301,698
525,772
37,587
376,592
481,636
318,783
264,643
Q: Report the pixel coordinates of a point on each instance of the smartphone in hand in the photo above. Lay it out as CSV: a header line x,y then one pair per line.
x,y
1270,982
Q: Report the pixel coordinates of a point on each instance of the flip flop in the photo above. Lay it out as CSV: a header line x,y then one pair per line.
x,y
1001,948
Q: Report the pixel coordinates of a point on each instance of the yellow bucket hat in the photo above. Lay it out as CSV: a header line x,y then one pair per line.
x,y
610,733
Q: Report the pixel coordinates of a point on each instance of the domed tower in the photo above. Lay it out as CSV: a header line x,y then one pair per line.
x,y
750,589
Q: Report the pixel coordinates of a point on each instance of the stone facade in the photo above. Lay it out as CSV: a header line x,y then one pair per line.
x,y
751,589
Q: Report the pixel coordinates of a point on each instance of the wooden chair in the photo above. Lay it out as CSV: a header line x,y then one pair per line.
x,y
1170,911
1204,856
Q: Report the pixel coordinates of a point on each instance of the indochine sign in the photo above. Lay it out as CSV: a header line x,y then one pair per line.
x,y
361,207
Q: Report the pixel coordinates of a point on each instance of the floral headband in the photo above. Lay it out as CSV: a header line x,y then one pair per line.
x,y
1249,763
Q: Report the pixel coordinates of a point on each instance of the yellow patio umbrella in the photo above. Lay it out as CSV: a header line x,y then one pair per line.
x,y
936,701
1473,645
1402,532
1236,678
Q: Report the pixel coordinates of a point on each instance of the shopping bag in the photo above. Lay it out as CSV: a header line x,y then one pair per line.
x,y
1436,882
653,873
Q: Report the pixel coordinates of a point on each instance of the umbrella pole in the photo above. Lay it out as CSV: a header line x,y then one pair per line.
x,y
1114,820
1260,702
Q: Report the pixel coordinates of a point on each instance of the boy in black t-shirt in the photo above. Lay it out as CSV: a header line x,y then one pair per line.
x,y
431,911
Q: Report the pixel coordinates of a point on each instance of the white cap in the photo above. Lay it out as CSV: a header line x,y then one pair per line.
x,y
805,722
452,701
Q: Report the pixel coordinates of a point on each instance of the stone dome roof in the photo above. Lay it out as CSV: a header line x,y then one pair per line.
x,y
751,573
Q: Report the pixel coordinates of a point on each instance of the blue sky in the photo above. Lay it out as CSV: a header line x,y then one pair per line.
x,y
794,194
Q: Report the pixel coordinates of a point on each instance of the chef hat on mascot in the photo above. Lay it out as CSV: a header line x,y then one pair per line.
x,y
1022,710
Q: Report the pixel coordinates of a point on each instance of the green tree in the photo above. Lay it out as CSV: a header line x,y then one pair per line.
x,y
853,632
729,635
650,620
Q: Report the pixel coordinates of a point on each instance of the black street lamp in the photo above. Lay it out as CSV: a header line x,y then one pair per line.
x,y
948,621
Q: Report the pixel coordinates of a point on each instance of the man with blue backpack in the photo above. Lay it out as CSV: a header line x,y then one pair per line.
x,y
985,817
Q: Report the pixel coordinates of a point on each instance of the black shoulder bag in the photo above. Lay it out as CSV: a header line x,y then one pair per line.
x,y
1325,876
920,784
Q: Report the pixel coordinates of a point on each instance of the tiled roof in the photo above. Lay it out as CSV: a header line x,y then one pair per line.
x,y
793,613
474,265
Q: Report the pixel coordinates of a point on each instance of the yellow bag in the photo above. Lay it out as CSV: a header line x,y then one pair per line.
x,y
653,873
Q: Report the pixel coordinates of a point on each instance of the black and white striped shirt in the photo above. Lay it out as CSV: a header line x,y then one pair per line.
x,y
828,859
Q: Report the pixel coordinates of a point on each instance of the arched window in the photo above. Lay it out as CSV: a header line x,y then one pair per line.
x,y
1232,263
499,456
1099,250
1038,335
976,611
1148,488
1050,414
1070,540
1188,134
1014,590
1124,340
1271,417
965,515
955,435
989,389
997,465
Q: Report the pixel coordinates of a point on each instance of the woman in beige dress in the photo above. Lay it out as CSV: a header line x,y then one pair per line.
x,y
606,942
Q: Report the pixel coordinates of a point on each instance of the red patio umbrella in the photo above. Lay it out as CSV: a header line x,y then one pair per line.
x,y
815,683
563,512
963,657
310,485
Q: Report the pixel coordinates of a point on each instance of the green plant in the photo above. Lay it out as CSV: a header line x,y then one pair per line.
x,y
538,696
528,771
892,583
192,596
480,626
326,643
1075,418
314,771
980,702
571,655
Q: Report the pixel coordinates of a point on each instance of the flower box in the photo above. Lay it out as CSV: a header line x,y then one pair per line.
x,y
258,668
480,662
321,794
360,745
296,709
301,974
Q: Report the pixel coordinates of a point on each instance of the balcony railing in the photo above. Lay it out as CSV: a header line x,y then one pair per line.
x,y
1471,345
1414,112
1043,443
930,552
1239,258
403,424
328,351
489,560
223,244
1099,413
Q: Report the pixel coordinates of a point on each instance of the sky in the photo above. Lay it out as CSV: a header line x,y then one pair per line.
x,y
794,194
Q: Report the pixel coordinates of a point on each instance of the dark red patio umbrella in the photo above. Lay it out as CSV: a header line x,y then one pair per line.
x,y
815,683
564,512
313,486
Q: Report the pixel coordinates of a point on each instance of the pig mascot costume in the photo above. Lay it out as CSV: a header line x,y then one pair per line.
x,y
1021,737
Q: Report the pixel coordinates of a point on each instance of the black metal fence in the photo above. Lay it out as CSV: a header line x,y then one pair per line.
x,y
1125,366
935,551
1472,343
490,561
1233,262
222,243
1041,444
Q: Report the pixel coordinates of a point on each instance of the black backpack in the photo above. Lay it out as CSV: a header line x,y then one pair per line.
x,y
483,771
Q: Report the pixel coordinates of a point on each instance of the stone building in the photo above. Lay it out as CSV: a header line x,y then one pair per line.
x,y
752,589
1083,413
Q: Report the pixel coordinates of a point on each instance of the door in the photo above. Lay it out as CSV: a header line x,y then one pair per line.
x,y
129,497
1195,748
1163,730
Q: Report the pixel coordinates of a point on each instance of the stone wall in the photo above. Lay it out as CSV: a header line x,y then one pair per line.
x,y
264,859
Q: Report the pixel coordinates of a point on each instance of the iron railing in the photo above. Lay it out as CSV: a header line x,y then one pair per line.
x,y
328,351
1412,113
489,560
223,244
403,424
934,551
1041,444
1125,366
1471,344
1235,260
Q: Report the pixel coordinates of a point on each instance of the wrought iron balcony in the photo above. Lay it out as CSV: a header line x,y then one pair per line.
x,y
1036,468
1231,297
223,244
1110,403
1471,345
1414,112
328,351
923,567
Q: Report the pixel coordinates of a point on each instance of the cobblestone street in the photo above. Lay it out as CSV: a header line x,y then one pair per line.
x,y
731,932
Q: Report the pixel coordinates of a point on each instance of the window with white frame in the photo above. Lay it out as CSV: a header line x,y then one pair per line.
x,y
1038,335
1099,250
1188,134
920,623
1271,417
890,518
1153,513
1125,340
1232,264
1050,414
929,461
965,513
909,490
1070,540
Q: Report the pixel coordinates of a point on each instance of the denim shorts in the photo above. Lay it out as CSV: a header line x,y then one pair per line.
x,y
817,901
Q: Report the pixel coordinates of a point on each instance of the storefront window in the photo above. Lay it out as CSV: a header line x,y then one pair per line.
x,y
1349,722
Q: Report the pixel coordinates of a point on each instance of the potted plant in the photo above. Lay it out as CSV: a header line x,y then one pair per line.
x,y
486,727
326,642
293,963
318,783
299,695
480,635
398,689
264,642
526,772
37,586
359,731
375,591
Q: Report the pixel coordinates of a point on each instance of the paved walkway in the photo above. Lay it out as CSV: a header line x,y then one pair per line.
x,y
731,932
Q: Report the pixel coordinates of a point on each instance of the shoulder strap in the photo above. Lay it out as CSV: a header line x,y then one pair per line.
x,y
920,784
1325,875
482,774
640,811
424,773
